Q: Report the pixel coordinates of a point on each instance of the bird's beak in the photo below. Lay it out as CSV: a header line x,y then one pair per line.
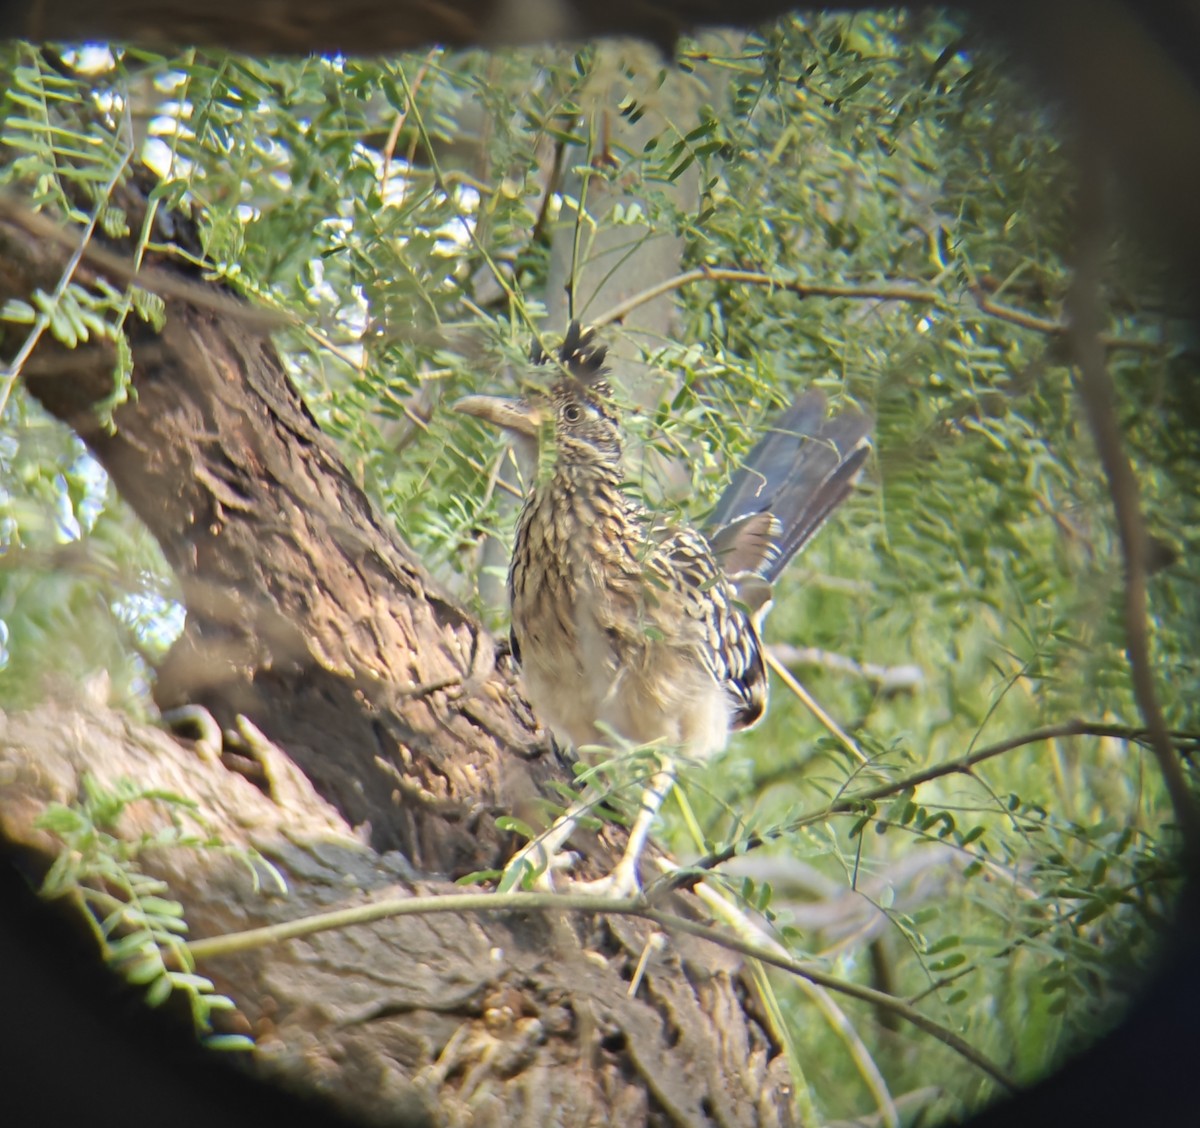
x,y
516,415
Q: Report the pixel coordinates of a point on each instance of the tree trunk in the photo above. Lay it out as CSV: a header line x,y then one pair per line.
x,y
370,27
306,617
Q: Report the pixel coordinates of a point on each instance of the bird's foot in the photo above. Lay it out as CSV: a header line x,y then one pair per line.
x,y
542,870
622,884
534,867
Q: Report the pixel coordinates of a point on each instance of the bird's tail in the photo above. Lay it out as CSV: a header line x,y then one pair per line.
x,y
792,480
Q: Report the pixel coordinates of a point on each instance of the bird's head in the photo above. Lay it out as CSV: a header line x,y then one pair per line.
x,y
573,419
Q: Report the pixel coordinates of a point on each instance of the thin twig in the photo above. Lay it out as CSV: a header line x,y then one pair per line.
x,y
813,706
216,946
902,292
1022,317
401,117
728,913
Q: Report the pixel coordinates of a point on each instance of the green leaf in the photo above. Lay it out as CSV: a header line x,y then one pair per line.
x,y
956,959
158,992
514,825
18,312
517,875
229,1043
145,970
478,877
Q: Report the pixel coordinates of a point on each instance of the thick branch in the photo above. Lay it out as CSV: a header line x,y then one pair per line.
x,y
315,636
370,27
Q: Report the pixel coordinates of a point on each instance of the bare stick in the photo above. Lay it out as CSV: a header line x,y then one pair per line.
x,y
813,706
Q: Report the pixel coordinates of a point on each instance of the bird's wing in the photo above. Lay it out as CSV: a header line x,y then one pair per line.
x,y
797,475
746,544
728,638
769,464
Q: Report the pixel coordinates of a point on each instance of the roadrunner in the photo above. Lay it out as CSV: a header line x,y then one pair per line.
x,y
624,624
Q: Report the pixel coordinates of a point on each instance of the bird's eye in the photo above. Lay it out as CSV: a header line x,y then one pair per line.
x,y
572,413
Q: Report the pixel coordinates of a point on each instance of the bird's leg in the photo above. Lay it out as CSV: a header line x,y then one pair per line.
x,y
624,881
544,854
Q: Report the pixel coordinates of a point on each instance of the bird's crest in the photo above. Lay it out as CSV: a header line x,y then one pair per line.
x,y
586,425
579,357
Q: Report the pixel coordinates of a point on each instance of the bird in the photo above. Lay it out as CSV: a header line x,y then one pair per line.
x,y
626,623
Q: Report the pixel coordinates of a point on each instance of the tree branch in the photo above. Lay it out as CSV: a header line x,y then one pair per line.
x,y
1099,401
898,292
912,292
166,284
848,803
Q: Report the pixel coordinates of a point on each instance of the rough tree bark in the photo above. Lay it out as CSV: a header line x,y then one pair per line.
x,y
310,620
